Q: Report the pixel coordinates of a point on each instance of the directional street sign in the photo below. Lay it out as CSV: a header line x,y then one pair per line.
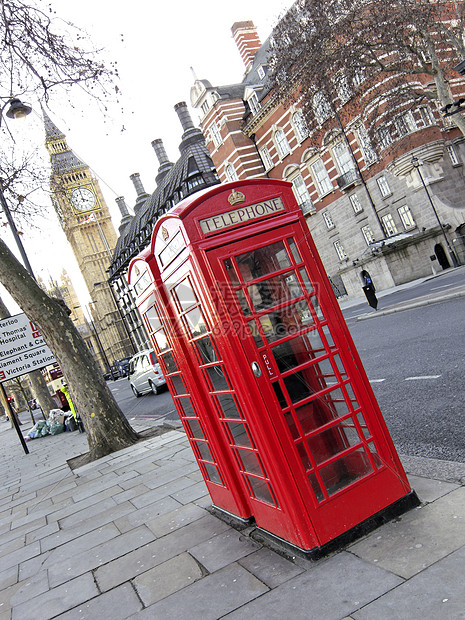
x,y
22,348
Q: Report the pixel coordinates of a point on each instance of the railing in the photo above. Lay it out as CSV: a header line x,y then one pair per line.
x,y
347,179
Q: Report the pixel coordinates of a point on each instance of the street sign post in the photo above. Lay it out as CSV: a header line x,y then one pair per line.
x,y
22,350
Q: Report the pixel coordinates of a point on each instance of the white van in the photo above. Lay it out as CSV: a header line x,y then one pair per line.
x,y
145,374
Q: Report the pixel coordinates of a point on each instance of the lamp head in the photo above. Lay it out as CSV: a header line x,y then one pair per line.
x,y
18,109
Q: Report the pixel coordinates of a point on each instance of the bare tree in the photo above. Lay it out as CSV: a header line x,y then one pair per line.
x,y
367,58
39,55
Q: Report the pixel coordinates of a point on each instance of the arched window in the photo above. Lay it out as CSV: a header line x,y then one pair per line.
x,y
281,143
300,126
231,173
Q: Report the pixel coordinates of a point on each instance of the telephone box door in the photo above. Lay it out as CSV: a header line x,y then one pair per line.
x,y
304,376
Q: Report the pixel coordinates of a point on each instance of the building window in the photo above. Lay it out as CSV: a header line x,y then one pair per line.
x,y
455,161
322,180
328,220
389,225
356,204
216,136
266,158
406,217
340,250
405,124
344,92
383,186
254,104
383,135
261,72
301,194
368,234
368,152
343,158
300,126
231,173
282,145
426,116
321,108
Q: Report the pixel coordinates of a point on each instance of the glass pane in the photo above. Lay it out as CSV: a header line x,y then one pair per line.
x,y
152,318
374,452
295,352
249,462
260,490
169,362
363,426
231,271
178,385
186,406
327,334
332,441
185,295
298,385
255,333
294,250
212,473
205,350
306,280
304,456
275,291
196,429
263,261
228,406
161,340
243,302
204,450
239,434
316,487
280,395
345,471
195,322
217,378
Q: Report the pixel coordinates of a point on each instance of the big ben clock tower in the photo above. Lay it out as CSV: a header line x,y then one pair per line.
x,y
86,222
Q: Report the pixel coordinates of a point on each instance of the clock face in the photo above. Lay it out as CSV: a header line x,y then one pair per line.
x,y
83,199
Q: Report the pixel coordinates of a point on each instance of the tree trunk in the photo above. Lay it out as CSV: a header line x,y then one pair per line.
x,y
106,426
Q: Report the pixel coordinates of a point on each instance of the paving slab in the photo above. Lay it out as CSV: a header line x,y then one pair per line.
x,y
330,589
430,490
271,568
223,549
417,539
167,578
183,515
436,593
209,598
57,600
119,604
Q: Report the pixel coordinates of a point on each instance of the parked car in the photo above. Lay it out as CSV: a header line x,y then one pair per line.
x,y
145,374
123,366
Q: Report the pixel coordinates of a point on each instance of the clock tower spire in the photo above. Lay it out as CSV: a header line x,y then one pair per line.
x,y
86,222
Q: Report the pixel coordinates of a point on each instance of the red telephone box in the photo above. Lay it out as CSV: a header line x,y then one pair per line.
x,y
262,369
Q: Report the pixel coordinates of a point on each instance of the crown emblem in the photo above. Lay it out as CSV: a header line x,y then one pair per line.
x,y
164,233
235,197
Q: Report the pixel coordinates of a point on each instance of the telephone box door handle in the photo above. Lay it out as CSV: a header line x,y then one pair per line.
x,y
256,369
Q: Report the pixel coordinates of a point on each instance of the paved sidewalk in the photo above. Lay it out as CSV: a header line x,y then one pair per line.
x,y
130,536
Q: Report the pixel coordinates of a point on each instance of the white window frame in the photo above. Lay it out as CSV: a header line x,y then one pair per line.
x,y
363,139
426,115
205,107
368,234
343,157
405,124
406,217
321,108
261,72
454,158
356,204
383,186
266,158
230,172
281,143
302,194
321,176
254,103
389,225
328,220
340,250
300,125
383,133
216,135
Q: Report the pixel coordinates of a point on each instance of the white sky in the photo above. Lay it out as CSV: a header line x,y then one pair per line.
x,y
154,44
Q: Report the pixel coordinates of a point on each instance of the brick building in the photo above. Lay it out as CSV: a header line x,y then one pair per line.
x,y
366,209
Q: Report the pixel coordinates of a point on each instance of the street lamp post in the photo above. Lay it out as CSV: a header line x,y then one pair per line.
x,y
416,163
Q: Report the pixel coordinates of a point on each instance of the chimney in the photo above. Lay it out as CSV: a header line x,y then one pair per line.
x,y
125,217
165,163
247,40
135,178
184,116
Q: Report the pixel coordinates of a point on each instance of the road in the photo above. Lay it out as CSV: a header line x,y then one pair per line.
x,y
414,360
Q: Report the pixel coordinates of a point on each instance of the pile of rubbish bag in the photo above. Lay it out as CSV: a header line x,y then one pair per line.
x,y
56,423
